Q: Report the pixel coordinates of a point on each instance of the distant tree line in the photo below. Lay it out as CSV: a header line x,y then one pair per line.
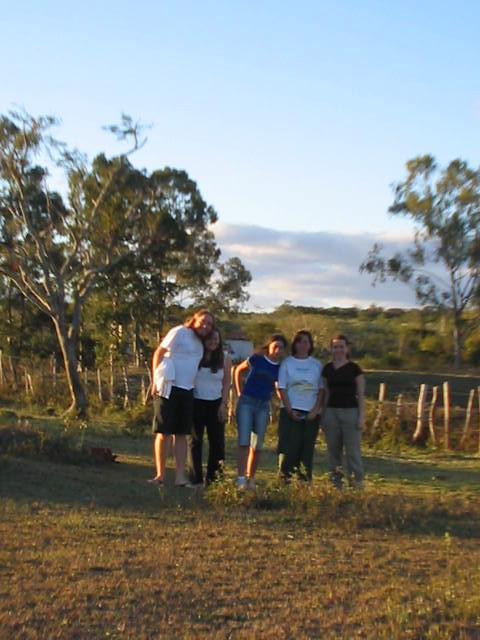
x,y
381,338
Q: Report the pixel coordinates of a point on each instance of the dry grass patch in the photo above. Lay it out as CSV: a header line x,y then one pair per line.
x,y
198,574
95,552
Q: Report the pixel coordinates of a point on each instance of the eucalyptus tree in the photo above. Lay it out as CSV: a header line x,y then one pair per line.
x,y
443,265
228,292
179,261
182,253
143,239
54,249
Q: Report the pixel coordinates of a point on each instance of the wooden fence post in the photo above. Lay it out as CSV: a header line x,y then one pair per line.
x,y
446,415
126,388
468,417
112,377
99,384
28,383
399,411
149,371
418,435
150,383
13,371
382,392
478,393
431,416
54,371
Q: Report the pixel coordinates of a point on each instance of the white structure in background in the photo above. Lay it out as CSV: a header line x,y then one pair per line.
x,y
239,345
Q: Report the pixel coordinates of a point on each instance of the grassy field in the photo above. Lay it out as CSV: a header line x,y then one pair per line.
x,y
93,551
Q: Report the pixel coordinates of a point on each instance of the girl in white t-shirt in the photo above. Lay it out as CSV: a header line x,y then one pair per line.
x,y
301,389
212,386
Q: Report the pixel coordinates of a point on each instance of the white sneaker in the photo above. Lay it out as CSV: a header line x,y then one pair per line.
x,y
251,484
241,483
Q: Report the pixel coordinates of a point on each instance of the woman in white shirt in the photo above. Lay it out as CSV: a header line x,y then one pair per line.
x,y
301,390
212,386
173,391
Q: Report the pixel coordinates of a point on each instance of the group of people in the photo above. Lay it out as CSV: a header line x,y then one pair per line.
x,y
191,384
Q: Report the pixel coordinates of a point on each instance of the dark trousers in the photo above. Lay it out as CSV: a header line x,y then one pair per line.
x,y
205,415
296,445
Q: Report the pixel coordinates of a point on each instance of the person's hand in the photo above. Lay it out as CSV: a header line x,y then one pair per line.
x,y
295,415
312,414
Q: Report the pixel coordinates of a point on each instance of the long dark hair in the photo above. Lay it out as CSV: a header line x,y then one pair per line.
x,y
273,338
216,358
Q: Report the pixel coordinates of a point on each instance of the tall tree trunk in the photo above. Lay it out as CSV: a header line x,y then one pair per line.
x,y
457,342
79,402
136,343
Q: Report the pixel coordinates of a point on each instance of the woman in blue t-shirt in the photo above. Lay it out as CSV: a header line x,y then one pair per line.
x,y
253,407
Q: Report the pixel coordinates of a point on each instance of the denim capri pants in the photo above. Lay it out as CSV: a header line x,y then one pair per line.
x,y
252,419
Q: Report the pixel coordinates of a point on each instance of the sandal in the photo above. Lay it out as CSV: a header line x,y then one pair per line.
x,y
156,481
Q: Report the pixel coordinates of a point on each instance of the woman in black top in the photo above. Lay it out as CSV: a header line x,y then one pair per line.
x,y
344,415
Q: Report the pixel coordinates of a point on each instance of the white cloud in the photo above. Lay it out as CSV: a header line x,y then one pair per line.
x,y
316,269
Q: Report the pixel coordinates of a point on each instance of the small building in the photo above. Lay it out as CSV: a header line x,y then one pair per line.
x,y
239,345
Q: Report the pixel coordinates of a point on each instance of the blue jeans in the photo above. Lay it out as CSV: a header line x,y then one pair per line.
x,y
252,420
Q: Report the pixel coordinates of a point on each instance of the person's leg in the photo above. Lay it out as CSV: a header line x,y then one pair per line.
x,y
310,433
333,435
254,456
161,445
242,461
196,444
244,416
216,442
162,441
295,447
180,458
352,438
182,425
283,438
261,417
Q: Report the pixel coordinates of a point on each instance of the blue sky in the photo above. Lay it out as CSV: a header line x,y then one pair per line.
x,y
292,117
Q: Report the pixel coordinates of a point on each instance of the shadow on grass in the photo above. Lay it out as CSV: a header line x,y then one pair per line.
x,y
433,471
121,486
33,484
438,472
434,496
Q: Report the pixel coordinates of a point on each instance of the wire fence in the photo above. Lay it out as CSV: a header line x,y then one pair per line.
x,y
431,417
